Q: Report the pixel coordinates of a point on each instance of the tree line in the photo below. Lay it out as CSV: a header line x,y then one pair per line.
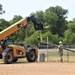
x,y
54,20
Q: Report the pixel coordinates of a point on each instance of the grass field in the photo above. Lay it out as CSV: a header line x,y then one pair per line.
x,y
55,57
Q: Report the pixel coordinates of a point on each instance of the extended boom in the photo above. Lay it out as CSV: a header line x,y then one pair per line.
x,y
13,28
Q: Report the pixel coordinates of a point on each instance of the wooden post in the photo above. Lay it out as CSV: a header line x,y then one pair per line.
x,y
47,49
67,56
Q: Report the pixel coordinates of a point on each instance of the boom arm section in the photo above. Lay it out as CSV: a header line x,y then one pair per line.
x,y
8,31
13,28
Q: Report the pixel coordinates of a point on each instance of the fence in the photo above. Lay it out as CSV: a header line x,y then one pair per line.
x,y
52,55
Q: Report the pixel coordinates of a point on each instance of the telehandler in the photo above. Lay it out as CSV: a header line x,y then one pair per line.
x,y
10,52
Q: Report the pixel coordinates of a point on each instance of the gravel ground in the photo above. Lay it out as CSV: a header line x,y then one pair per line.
x,y
37,68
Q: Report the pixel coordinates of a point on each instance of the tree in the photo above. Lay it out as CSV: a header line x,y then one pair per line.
x,y
33,38
39,16
58,21
1,9
69,37
71,25
2,21
50,21
15,19
3,24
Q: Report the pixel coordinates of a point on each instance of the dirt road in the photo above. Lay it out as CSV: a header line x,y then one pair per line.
x,y
37,68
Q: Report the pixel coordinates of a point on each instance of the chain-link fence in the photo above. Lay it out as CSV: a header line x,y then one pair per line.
x,y
52,55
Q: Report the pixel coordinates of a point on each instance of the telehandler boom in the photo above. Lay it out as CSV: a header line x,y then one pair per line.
x,y
10,52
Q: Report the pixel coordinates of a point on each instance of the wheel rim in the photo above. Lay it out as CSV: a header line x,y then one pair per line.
x,y
9,57
32,55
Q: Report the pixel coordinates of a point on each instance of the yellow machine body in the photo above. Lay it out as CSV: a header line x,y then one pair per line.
x,y
20,51
11,52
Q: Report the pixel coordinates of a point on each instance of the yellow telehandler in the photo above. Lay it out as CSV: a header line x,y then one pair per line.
x,y
10,52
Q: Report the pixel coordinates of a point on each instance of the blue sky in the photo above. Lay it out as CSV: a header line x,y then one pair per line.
x,y
26,7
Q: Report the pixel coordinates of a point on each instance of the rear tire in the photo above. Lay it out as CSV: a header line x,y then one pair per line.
x,y
31,56
8,57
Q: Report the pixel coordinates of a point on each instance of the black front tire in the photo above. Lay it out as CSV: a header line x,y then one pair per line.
x,y
8,57
31,56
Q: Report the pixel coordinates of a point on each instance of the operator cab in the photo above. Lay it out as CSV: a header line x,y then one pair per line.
x,y
7,41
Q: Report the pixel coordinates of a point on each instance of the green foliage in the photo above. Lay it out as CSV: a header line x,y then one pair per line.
x,y
56,19
33,38
61,13
71,25
15,19
52,38
39,16
50,20
47,34
55,39
1,9
3,24
69,37
53,19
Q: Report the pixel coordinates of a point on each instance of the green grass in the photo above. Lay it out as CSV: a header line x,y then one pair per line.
x,y
64,53
22,60
55,57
